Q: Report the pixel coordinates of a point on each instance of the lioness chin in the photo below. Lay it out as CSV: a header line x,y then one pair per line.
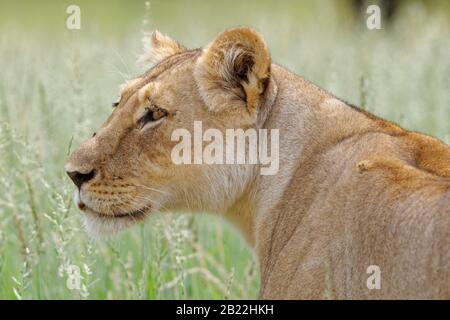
x,y
352,190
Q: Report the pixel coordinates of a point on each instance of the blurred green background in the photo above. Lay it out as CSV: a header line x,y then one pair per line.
x,y
56,88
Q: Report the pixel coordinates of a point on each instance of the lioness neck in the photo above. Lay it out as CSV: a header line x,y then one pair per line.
x,y
304,114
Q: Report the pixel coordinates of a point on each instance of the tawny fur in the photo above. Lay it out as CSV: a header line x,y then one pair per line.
x,y
157,48
352,190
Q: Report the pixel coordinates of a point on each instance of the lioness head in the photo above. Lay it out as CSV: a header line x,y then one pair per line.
x,y
125,171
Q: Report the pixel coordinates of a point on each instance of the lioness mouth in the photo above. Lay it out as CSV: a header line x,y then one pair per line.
x,y
135,214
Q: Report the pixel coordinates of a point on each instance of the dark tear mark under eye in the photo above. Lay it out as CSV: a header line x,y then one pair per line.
x,y
152,114
148,117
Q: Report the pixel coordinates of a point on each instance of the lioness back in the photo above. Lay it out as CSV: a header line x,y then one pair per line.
x,y
365,193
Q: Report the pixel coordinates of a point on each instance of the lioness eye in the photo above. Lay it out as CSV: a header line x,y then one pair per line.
x,y
152,114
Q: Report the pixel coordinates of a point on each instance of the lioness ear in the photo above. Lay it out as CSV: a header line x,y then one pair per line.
x,y
157,48
233,70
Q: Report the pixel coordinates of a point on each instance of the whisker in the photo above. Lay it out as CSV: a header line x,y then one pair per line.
x,y
145,199
148,188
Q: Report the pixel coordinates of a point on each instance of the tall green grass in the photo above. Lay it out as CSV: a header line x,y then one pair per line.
x,y
56,88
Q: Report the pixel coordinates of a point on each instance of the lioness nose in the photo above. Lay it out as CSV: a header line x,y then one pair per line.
x,y
79,178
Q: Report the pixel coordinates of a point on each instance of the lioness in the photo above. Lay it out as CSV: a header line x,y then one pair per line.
x,y
352,190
